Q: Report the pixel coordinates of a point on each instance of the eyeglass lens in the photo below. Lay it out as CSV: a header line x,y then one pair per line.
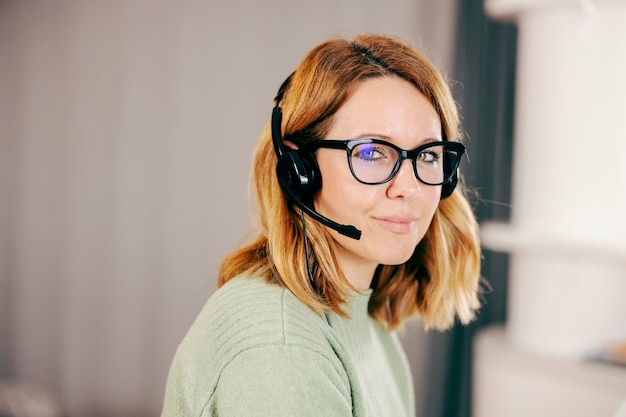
x,y
376,163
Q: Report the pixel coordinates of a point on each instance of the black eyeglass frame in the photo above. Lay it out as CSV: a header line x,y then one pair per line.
x,y
449,166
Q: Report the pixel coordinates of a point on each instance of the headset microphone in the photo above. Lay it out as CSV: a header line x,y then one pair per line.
x,y
346,230
298,174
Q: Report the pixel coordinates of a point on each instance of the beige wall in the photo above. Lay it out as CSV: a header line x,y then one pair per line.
x,y
126,129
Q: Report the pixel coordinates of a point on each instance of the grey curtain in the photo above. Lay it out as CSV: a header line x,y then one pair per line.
x,y
484,71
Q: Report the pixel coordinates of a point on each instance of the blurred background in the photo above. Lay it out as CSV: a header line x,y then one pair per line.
x,y
126,134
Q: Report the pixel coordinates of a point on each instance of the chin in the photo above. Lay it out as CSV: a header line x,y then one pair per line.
x,y
396,258
394,252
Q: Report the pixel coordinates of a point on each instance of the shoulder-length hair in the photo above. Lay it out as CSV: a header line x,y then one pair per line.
x,y
441,279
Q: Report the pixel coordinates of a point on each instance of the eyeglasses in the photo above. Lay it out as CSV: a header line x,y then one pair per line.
x,y
374,161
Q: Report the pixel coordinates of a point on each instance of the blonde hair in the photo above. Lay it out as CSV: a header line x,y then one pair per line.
x,y
441,279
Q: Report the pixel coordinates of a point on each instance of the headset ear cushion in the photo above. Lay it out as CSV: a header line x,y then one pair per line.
x,y
449,187
298,170
313,172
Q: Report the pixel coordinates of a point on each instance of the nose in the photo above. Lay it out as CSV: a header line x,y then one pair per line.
x,y
405,184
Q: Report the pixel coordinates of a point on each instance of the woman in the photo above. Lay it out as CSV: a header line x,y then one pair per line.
x,y
361,228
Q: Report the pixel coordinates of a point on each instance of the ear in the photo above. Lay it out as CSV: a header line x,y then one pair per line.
x,y
291,145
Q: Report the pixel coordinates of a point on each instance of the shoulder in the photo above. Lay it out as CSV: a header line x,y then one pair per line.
x,y
249,312
244,320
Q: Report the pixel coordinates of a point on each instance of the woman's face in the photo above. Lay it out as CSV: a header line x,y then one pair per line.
x,y
394,216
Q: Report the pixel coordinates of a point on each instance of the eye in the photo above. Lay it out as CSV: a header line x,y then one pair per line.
x,y
429,156
369,152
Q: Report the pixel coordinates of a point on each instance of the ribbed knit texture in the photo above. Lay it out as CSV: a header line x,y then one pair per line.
x,y
256,350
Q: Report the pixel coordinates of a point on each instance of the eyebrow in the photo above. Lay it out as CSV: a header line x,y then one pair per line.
x,y
391,139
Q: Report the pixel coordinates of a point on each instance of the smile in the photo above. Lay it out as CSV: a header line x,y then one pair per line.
x,y
396,225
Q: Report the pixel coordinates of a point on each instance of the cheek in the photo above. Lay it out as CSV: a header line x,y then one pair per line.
x,y
344,199
341,196
430,203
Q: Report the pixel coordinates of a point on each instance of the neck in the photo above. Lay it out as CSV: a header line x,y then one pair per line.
x,y
358,272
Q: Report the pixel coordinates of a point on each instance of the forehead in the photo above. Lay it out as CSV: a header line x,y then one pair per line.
x,y
387,107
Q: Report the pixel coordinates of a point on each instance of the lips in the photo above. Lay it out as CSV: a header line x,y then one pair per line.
x,y
396,224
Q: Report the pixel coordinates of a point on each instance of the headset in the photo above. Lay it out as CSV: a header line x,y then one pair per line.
x,y
298,174
300,178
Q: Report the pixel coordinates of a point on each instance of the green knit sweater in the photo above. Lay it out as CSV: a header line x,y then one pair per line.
x,y
256,350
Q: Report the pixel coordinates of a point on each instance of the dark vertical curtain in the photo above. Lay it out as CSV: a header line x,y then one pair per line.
x,y
484,75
